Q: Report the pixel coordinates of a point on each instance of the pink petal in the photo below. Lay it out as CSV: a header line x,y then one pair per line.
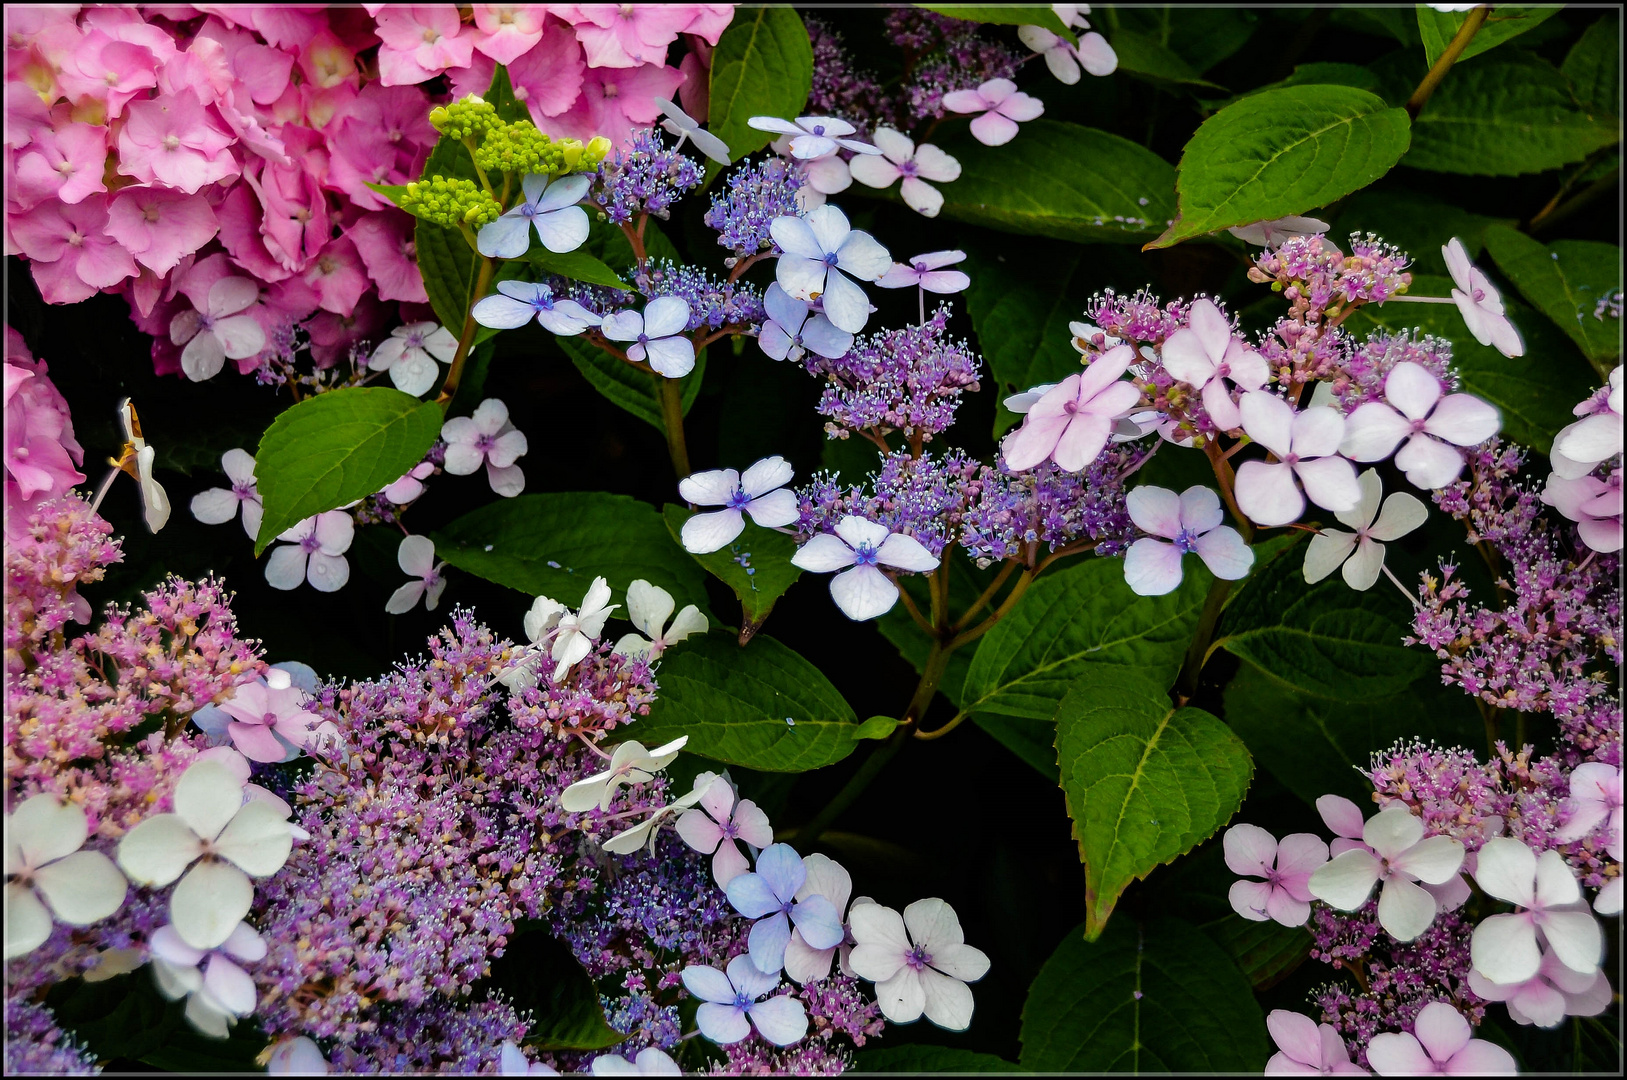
x,y
1441,1030
1268,493
1155,510
1464,419
1250,850
1412,390
1152,567
1250,899
992,129
1295,1035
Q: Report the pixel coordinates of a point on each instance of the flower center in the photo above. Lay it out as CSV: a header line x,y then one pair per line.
x,y
1070,407
310,544
743,1000
66,168
1418,425
830,259
431,35
643,339
415,340
1186,542
485,443
172,142
864,554
738,500
729,830
150,215
611,90
918,957
819,129
1291,459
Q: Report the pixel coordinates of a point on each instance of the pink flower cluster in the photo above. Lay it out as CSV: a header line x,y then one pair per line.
x,y
164,151
41,452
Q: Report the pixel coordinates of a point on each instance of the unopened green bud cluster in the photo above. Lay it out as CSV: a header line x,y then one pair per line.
x,y
450,202
470,117
519,148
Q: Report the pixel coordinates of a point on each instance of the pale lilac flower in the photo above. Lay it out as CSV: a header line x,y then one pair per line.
x,y
222,992
827,878
486,438
1505,948
1361,553
227,838
729,1000
1480,303
1595,800
1595,505
650,1062
716,826
684,126
218,332
1344,819
1441,1046
926,272
1400,857
416,557
793,329
648,608
858,548
1206,355
219,505
48,877
769,895
900,157
548,208
1305,1048
267,719
299,1056
630,763
760,492
1597,437
1307,448
1093,53
1071,422
410,353
315,552
1285,868
516,303
1434,426
1191,523
1001,105
1274,233
828,174
1021,403
820,250
920,962
657,335
814,136
1550,995
155,506
410,485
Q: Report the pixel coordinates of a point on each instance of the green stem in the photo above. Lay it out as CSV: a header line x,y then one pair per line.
x,y
466,340
1198,651
672,418
1460,41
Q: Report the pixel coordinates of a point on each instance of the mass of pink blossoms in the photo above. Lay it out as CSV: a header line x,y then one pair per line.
x,y
157,152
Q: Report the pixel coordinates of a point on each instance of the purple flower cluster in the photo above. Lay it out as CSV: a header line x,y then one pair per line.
x,y
923,497
1137,317
755,196
35,1046
1314,275
646,179
1363,368
1016,512
842,90
945,55
907,380
712,304
436,1037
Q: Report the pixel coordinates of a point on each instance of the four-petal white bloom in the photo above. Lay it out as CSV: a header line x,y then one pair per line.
x,y
731,1007
220,993
919,961
314,552
218,333
416,556
1480,303
814,137
412,354
630,763
1307,447
1189,523
760,492
1433,424
572,633
649,607
657,335
793,329
858,548
48,875
1361,553
901,157
684,126
1400,857
218,840
820,250
487,438
516,303
549,208
1505,948
216,506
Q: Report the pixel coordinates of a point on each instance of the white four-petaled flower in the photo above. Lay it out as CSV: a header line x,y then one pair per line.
x,y
793,329
820,250
218,333
222,991
649,607
630,763
760,492
859,548
1189,523
814,137
684,126
516,303
1506,948
1307,447
1398,855
731,1007
487,438
656,335
1480,303
416,556
215,506
901,157
49,876
315,551
1433,424
1361,553
919,961
572,634
412,354
548,208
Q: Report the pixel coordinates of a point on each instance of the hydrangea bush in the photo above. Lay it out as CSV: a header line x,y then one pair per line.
x,y
835,377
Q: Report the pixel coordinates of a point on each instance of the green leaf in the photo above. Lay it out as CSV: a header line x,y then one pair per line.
x,y
1418,224
576,265
1330,72
1074,621
1021,310
770,572
1283,152
733,703
1535,391
877,727
554,544
393,192
1156,998
1593,65
1265,952
1145,782
1007,15
1145,57
447,265
1315,745
924,1058
627,386
1202,37
1513,117
539,975
762,66
333,448
1063,181
1437,28
500,95
1566,282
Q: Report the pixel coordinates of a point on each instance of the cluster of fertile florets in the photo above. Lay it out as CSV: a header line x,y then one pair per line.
x,y
450,202
468,118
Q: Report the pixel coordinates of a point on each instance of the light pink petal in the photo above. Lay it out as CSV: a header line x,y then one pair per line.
x,y
1340,814
1300,854
1033,442
1225,553
1021,107
1211,328
1250,850
1329,482
1295,1035
1481,1058
1404,909
1269,421
1155,510
1187,359
1412,390
1250,899
1373,431
992,129
1152,567
1428,462
1465,420
1285,909
1268,494
1218,403
1317,432
1083,440
1441,1030
1398,1054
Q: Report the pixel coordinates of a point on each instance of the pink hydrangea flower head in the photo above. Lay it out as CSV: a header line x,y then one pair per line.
x,y
1000,105
74,257
420,41
66,164
504,32
1071,422
1189,523
294,222
338,276
326,61
1285,869
173,141
385,241
547,77
1306,444
1594,503
41,452
630,35
1480,303
108,70
1440,1045
614,102
1433,426
161,226
1397,854
900,157
1305,1048
1207,355
716,826
1506,948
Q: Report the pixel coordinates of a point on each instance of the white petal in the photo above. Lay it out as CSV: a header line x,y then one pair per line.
x,y
1373,431
415,372
207,796
902,998
1346,880
665,316
82,888
846,305
328,573
1402,513
1404,909
1152,567
947,1002
1328,549
673,357
1504,949
774,510
1268,493
158,849
1361,570
229,985
712,488
703,533
780,1020
285,567
240,336
822,554
416,555
215,506
258,839
43,828
209,902
863,593
506,238
1575,938
1428,462
1507,869
28,923
1329,482
1269,421
203,357
562,230
648,606
1225,554
906,553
